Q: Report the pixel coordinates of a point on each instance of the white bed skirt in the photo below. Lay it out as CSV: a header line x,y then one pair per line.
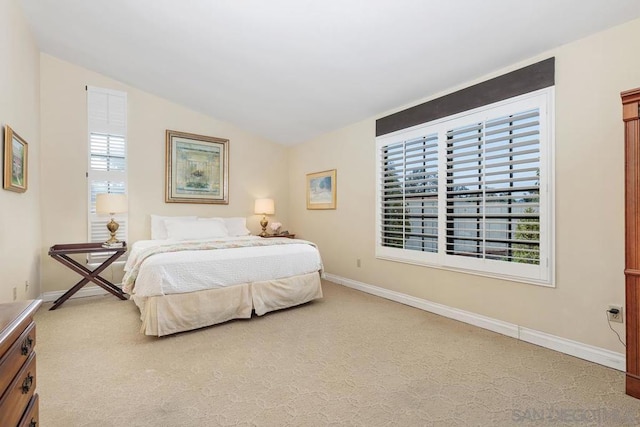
x,y
172,313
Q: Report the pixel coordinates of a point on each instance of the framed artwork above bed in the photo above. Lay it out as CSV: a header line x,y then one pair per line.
x,y
197,168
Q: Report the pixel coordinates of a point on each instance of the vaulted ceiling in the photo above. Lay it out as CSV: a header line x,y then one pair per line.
x,y
289,70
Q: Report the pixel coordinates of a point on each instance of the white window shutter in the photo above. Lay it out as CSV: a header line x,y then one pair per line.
x,y
493,203
464,192
410,194
107,163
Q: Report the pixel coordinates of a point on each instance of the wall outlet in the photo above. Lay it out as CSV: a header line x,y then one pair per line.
x,y
358,263
15,293
26,286
615,317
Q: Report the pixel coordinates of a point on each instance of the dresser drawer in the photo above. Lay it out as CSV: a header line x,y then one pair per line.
x,y
15,357
13,321
31,417
15,399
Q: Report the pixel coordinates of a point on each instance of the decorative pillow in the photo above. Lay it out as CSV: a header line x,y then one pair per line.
x,y
195,230
236,226
158,229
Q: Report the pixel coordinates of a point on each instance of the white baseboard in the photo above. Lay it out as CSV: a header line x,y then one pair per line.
x,y
87,291
563,345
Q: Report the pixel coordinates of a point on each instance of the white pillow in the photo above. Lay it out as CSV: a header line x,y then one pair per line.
x,y
158,229
236,226
194,230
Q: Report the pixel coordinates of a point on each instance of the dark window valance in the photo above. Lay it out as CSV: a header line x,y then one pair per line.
x,y
518,82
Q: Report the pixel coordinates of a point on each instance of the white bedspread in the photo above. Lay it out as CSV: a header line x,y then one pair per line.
x,y
195,270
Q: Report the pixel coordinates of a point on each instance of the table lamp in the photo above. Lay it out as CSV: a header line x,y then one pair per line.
x,y
108,203
264,207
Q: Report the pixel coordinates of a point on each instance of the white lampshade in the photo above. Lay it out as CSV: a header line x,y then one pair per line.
x,y
264,207
107,203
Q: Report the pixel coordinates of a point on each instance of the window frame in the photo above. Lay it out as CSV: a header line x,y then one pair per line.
x,y
102,121
542,274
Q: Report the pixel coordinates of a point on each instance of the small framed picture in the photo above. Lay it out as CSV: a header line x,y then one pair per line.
x,y
321,190
197,168
16,164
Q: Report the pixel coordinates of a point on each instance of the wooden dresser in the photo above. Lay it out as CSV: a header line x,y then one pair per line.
x,y
18,399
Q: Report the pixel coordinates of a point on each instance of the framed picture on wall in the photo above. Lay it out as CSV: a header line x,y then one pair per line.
x,y
197,168
16,164
321,190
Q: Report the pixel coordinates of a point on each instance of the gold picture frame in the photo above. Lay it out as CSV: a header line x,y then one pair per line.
x,y
197,168
322,189
16,162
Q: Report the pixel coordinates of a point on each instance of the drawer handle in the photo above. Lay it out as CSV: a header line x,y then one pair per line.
x,y
27,383
27,345
33,423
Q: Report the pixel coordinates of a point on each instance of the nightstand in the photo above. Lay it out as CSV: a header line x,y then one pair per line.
x,y
61,254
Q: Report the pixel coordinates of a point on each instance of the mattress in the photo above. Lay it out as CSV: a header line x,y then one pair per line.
x,y
184,271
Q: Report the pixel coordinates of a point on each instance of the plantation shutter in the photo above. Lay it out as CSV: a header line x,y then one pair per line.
x,y
472,192
493,197
409,194
107,172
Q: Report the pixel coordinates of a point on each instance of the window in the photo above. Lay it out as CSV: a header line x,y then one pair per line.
x,y
107,163
472,192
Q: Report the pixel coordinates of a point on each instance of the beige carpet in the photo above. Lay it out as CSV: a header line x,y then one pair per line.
x,y
350,359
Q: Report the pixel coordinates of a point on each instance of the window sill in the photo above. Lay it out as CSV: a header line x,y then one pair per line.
x,y
505,277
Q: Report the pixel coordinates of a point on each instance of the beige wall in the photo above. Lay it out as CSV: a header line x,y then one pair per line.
x,y
20,233
258,168
590,74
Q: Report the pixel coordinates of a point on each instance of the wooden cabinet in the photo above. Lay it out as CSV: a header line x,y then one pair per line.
x,y
18,399
631,117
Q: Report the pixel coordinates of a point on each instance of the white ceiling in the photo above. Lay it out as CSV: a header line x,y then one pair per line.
x,y
289,70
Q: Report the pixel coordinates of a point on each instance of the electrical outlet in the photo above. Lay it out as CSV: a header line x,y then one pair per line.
x,y
615,317
358,262
26,286
15,293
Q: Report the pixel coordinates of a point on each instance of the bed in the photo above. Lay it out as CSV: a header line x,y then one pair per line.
x,y
197,272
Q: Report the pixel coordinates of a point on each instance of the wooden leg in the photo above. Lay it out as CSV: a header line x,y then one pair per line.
x,y
88,276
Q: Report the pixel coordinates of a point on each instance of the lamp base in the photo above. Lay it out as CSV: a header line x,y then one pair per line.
x,y
263,224
112,226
